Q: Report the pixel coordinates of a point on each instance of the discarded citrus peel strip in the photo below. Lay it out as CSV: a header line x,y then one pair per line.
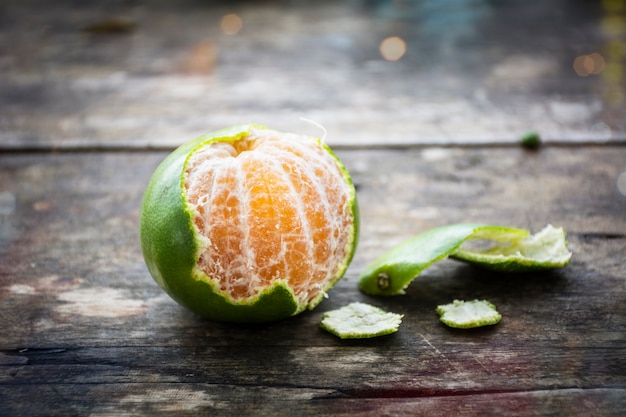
x,y
512,250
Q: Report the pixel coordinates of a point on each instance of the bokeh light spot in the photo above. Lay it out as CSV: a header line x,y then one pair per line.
x,y
200,59
392,48
615,72
616,49
585,65
613,26
231,24
614,5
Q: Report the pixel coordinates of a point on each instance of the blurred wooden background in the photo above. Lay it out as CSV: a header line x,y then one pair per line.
x,y
378,72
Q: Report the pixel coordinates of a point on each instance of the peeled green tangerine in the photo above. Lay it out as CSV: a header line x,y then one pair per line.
x,y
513,250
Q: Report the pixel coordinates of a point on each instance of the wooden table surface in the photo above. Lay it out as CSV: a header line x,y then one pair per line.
x,y
93,96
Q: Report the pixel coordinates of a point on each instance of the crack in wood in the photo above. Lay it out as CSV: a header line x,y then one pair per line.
x,y
438,393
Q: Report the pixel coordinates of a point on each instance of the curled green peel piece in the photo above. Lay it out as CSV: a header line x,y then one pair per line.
x,y
544,250
515,250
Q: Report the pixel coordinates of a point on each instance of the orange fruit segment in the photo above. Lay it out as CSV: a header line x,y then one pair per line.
x,y
267,222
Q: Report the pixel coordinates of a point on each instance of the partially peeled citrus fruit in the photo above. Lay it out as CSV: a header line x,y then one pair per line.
x,y
249,224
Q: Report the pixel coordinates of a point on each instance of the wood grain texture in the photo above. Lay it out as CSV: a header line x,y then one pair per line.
x,y
478,72
87,332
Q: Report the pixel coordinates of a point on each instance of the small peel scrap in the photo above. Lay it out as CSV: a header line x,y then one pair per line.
x,y
468,314
515,250
360,321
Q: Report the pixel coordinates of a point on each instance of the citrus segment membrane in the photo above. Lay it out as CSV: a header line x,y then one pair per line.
x,y
360,321
514,251
468,314
248,224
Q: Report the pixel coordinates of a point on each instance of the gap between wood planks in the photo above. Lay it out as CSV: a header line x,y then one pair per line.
x,y
122,148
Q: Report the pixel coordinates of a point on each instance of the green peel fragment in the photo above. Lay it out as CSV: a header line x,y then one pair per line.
x,y
544,250
360,321
530,140
468,314
511,250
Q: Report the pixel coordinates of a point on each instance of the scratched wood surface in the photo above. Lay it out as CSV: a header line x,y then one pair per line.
x,y
94,94
87,332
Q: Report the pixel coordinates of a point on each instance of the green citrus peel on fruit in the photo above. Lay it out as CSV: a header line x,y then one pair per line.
x,y
247,224
468,314
511,250
360,321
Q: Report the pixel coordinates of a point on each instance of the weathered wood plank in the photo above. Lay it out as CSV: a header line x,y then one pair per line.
x,y
416,365
473,73
223,400
86,330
